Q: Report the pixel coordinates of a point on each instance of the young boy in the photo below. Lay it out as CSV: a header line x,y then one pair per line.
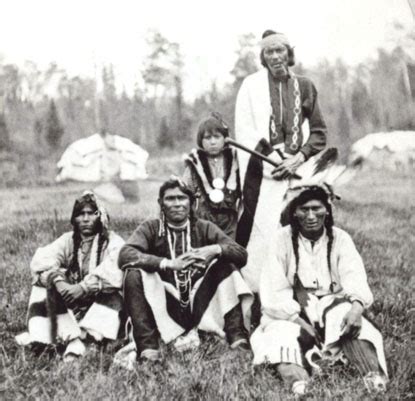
x,y
211,171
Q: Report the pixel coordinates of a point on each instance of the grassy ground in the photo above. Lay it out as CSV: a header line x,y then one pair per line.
x,y
377,209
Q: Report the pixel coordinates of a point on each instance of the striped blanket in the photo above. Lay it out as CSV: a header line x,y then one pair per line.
x,y
50,321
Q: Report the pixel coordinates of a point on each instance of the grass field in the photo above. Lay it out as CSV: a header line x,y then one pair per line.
x,y
377,209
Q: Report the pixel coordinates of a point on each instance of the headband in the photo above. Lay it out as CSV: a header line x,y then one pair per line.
x,y
89,196
274,40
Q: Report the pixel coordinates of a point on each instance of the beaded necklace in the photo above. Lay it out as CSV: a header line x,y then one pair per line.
x,y
182,278
296,118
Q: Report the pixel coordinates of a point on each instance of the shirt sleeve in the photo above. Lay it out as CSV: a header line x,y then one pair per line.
x,y
136,253
231,251
107,276
352,272
53,257
275,290
318,129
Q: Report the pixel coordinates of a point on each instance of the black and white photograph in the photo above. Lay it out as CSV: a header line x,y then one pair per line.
x,y
207,200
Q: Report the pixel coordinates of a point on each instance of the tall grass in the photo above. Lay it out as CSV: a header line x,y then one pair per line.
x,y
374,210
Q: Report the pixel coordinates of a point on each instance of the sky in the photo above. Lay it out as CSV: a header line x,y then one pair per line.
x,y
78,34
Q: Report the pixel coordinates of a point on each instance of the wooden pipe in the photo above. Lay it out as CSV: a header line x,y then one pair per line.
x,y
264,158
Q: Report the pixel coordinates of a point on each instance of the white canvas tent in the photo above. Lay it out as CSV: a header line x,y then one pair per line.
x,y
105,158
391,150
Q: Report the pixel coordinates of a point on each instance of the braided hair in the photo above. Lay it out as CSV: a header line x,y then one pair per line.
x,y
318,193
74,270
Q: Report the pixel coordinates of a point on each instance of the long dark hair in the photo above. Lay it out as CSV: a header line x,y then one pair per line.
x,y
214,122
171,184
80,203
312,193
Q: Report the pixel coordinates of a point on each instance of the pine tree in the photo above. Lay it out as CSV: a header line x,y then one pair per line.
x,y
4,133
343,126
165,139
53,128
246,62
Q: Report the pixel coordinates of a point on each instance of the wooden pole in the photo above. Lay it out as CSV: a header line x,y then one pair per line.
x,y
258,155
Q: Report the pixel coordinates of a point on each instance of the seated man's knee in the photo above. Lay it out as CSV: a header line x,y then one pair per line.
x,y
132,279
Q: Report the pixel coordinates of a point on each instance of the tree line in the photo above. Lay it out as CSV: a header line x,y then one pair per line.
x,y
42,111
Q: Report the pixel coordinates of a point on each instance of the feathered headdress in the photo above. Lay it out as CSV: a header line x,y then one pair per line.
x,y
303,193
316,182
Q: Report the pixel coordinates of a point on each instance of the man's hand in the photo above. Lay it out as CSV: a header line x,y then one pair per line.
x,y
182,262
201,256
352,321
93,286
288,167
309,329
207,253
70,292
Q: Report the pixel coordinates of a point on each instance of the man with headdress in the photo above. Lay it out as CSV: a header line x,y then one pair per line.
x,y
274,106
181,276
313,292
77,283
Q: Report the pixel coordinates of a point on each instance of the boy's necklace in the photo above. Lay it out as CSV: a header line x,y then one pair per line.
x,y
217,171
216,166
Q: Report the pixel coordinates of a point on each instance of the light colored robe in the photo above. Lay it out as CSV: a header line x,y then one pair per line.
x,y
275,340
252,117
101,320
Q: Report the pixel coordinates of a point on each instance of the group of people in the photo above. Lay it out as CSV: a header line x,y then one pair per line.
x,y
232,228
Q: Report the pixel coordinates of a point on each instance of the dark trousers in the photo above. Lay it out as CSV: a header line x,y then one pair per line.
x,y
145,333
234,325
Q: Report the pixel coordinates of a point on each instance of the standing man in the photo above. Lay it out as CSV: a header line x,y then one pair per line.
x,y
271,107
181,275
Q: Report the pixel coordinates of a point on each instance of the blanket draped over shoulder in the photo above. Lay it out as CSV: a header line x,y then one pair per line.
x,y
49,318
279,339
259,100
214,291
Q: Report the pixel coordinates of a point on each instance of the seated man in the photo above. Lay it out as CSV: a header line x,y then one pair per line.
x,y
181,275
313,293
77,283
